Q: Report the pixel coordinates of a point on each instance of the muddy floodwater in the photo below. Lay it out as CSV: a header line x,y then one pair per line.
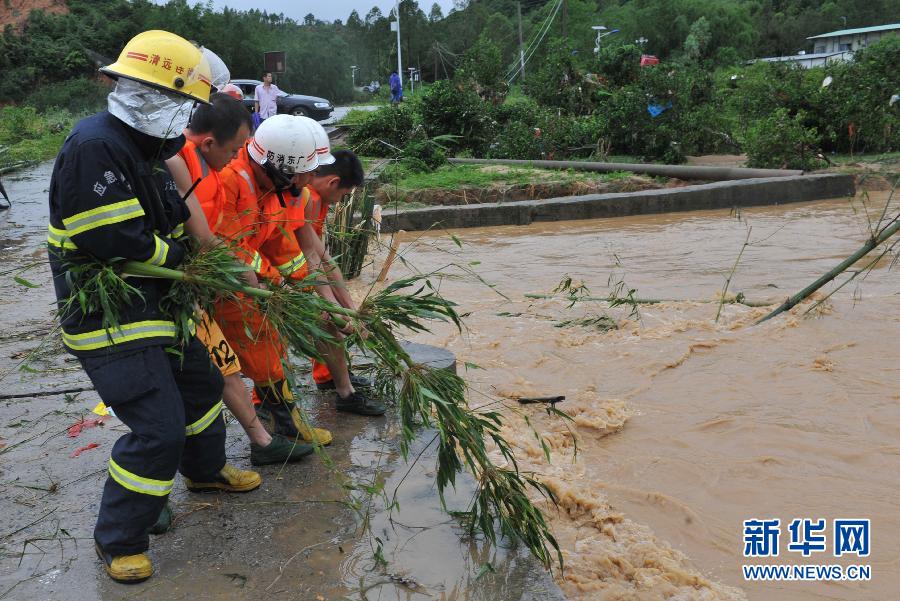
x,y
684,427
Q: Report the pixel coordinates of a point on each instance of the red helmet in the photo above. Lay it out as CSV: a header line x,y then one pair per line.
x,y
233,90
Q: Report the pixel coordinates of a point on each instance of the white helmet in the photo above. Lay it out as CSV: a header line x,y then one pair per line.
x,y
323,144
285,143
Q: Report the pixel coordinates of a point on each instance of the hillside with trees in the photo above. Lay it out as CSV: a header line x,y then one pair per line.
x,y
49,47
570,102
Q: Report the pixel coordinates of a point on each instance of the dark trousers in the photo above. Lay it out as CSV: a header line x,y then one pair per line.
x,y
172,404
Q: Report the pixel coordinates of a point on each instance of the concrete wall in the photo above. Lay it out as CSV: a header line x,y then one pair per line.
x,y
717,195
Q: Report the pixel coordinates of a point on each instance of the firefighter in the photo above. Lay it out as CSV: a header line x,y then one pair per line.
x,y
260,184
214,136
111,197
338,174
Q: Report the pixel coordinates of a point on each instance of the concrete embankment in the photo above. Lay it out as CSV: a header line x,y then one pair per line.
x,y
716,195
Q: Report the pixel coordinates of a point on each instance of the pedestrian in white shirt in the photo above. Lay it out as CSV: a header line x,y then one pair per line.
x,y
265,97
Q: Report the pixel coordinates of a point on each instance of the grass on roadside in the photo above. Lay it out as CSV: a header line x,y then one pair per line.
x,y
455,176
26,135
353,117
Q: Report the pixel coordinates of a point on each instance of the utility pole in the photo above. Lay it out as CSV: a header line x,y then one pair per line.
x,y
399,59
521,46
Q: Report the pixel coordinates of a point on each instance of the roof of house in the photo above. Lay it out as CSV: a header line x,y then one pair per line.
x,y
800,57
842,32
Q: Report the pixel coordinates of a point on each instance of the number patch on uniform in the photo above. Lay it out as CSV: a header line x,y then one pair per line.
x,y
223,354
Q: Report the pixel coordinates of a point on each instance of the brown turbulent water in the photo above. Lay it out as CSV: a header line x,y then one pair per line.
x,y
685,427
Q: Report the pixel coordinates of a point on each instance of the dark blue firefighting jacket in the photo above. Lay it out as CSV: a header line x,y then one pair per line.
x,y
111,196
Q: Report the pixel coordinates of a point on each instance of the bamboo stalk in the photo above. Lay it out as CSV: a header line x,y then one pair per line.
x,y
654,301
392,253
866,248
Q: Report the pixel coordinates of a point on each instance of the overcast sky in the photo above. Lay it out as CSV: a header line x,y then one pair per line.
x,y
327,10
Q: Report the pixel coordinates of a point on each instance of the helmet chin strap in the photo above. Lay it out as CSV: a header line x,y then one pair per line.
x,y
281,181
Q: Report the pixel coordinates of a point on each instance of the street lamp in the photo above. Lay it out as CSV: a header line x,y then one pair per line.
x,y
353,69
600,35
395,26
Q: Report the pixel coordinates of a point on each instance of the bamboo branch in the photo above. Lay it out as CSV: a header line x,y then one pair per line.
x,y
866,248
135,268
731,274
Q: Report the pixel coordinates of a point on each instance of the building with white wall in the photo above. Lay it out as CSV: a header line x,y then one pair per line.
x,y
850,40
837,45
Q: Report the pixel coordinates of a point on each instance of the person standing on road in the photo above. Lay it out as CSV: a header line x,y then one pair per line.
x,y
266,95
112,198
396,88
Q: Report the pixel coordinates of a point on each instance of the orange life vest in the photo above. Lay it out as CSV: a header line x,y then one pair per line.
x,y
260,223
209,191
319,211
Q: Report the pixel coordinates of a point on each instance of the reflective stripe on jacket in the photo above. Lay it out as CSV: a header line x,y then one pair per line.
x,y
111,197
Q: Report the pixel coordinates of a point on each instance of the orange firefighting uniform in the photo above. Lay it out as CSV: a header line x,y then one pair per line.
x,y
262,228
211,196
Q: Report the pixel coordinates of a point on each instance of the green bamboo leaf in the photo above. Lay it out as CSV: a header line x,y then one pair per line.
x,y
486,568
26,283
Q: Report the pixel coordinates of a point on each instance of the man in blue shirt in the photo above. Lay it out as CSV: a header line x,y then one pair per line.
x,y
396,88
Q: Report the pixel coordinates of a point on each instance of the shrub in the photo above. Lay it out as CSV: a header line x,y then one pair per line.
x,y
424,155
781,141
446,108
619,65
859,96
483,70
560,82
30,136
384,132
566,137
522,109
81,95
516,140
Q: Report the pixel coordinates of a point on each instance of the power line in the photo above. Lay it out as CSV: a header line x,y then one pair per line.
x,y
514,70
532,48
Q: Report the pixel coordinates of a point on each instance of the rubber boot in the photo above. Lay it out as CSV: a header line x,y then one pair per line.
x,y
360,404
358,382
279,414
280,450
164,521
229,479
127,569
